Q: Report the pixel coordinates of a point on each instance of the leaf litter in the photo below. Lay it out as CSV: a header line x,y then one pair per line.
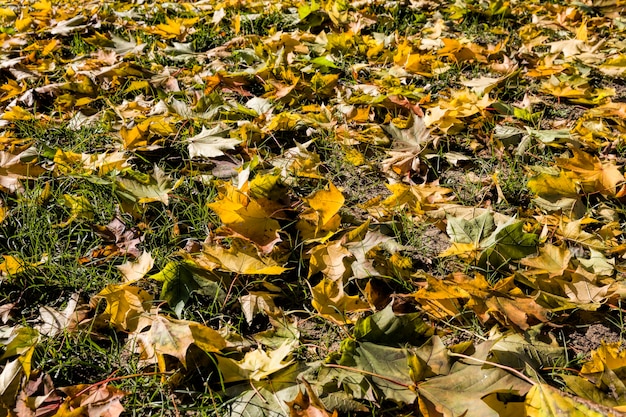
x,y
312,208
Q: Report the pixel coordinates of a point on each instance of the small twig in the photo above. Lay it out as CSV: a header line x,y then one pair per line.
x,y
361,371
258,393
173,399
497,365
230,290
113,379
559,368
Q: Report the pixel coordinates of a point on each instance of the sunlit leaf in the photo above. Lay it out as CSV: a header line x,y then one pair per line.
x,y
244,217
545,401
126,306
241,259
552,260
180,280
156,188
256,365
330,300
210,143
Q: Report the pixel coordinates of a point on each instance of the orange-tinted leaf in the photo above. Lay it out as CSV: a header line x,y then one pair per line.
x,y
595,175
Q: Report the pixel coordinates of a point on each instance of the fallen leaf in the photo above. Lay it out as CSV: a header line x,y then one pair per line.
x,y
553,260
257,364
330,300
239,258
211,143
155,188
307,404
545,401
593,174
244,217
126,306
135,270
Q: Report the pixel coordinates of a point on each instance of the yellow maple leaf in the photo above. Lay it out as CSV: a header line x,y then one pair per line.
x,y
329,260
80,208
174,28
552,260
11,265
330,301
594,175
322,218
607,356
239,258
466,250
543,399
257,364
244,217
16,113
126,306
553,187
441,299
326,202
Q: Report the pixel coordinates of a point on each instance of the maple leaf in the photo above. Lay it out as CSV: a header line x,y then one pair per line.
x,y
13,168
135,270
94,400
210,143
53,322
330,259
407,145
497,246
11,265
415,198
239,258
124,240
363,265
553,260
542,399
245,218
127,306
585,290
322,219
614,66
80,208
181,279
156,187
462,391
557,191
172,337
594,175
257,302
257,364
175,28
330,300
298,161
308,404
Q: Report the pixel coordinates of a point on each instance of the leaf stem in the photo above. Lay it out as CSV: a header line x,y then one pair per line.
x,y
361,371
497,365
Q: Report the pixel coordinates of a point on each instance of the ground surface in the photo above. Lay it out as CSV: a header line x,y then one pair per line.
x,y
296,208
